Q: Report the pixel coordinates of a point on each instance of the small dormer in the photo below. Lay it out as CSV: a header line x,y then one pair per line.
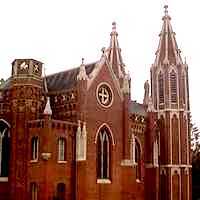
x,y
24,67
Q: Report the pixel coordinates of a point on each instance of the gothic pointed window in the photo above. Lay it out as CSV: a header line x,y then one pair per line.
x,y
61,149
161,87
34,148
103,154
173,86
60,191
138,160
34,191
4,149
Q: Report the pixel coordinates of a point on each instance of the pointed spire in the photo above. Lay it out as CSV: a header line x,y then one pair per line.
x,y
114,54
168,52
47,110
82,72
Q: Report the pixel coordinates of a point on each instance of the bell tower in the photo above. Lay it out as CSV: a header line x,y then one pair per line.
x,y
26,99
170,95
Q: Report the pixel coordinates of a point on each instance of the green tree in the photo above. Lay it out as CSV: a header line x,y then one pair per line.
x,y
195,147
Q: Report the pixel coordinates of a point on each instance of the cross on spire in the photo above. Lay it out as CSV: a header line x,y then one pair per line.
x,y
82,61
114,26
166,10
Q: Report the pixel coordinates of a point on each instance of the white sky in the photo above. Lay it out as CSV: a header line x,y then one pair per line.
x,y
60,32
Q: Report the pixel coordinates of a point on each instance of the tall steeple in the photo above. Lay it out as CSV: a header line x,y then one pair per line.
x,y
114,54
168,51
170,96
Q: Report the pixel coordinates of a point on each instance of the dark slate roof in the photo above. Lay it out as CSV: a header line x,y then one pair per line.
x,y
66,79
137,108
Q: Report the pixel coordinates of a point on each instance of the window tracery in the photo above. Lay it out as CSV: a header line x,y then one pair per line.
x,y
103,154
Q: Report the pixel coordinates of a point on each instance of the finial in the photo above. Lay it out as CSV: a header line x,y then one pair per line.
x,y
82,61
166,10
114,26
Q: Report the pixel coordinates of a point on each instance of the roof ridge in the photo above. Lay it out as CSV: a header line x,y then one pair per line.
x,y
67,70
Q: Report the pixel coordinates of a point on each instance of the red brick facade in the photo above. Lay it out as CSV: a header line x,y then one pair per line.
x,y
78,135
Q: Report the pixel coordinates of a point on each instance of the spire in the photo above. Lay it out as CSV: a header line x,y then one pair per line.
x,y
114,54
168,52
47,110
82,73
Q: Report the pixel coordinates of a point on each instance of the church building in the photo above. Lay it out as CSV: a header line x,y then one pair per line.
x,y
77,135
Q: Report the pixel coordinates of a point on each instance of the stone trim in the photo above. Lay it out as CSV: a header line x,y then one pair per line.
x,y
103,181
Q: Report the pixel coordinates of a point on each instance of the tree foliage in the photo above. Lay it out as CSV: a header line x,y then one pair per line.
x,y
195,147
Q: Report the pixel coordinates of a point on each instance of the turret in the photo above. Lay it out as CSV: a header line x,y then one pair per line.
x,y
26,100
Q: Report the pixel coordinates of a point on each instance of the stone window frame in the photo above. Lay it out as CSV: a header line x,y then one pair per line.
x,y
62,146
34,148
104,135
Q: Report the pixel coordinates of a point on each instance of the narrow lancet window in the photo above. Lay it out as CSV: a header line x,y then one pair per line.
x,y
173,85
103,155
138,160
34,148
161,88
61,149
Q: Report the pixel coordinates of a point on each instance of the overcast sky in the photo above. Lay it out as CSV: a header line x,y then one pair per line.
x,y
60,32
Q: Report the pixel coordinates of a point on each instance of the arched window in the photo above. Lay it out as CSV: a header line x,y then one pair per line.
x,y
103,154
138,160
173,86
61,149
34,191
4,149
161,88
60,191
34,148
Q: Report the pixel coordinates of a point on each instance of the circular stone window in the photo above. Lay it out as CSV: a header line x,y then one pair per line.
x,y
104,95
